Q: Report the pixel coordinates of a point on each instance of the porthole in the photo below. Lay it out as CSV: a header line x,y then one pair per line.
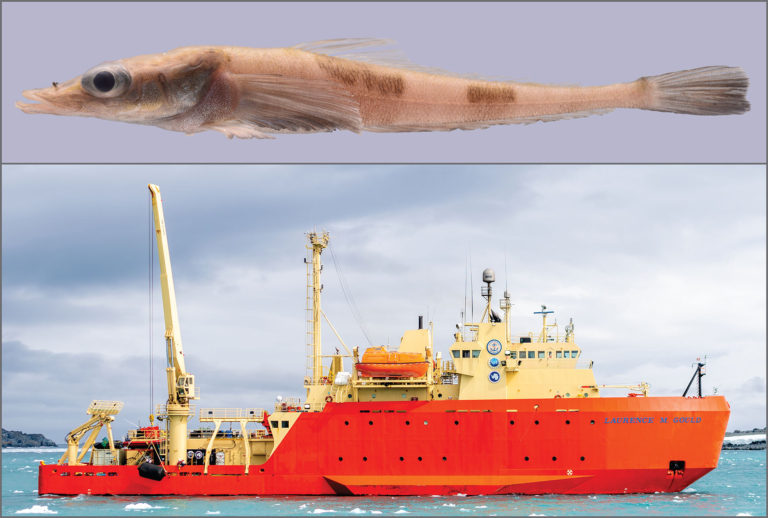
x,y
407,422
445,458
592,422
567,394
567,421
536,422
373,395
554,458
346,423
365,459
262,470
526,459
401,459
426,423
511,422
456,422
439,395
370,423
403,396
419,459
341,459
349,396
582,458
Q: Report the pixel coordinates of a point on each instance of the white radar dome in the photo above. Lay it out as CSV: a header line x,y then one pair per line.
x,y
489,275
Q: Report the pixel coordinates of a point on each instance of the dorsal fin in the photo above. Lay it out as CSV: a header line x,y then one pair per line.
x,y
348,48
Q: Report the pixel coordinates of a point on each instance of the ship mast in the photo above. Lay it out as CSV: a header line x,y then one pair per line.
x,y
181,384
316,242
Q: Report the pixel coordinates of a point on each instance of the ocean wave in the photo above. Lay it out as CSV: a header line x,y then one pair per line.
x,y
34,450
37,509
140,506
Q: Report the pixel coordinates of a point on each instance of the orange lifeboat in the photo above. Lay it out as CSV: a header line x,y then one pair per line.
x,y
377,362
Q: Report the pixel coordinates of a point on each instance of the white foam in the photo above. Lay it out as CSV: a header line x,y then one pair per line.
x,y
357,510
37,509
34,450
689,490
375,512
534,514
435,496
38,460
401,511
320,511
213,512
744,439
481,507
743,514
460,494
449,505
17,491
462,509
135,507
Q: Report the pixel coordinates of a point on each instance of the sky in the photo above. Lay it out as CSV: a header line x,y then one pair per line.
x,y
657,266
586,43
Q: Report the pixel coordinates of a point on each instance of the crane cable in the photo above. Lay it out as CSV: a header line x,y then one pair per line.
x,y
348,295
151,279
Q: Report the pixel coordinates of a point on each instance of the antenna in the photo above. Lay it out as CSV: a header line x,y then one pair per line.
x,y
463,313
471,283
506,285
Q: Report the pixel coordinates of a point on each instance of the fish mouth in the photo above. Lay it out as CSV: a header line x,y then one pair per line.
x,y
46,105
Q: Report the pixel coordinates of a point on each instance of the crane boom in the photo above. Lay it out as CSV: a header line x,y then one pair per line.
x,y
180,382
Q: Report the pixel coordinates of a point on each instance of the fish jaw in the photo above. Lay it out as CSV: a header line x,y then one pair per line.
x,y
64,99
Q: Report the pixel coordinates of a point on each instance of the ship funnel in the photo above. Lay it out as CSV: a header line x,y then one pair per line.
x,y
421,322
489,275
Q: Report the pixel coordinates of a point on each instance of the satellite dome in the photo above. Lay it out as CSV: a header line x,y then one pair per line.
x,y
489,275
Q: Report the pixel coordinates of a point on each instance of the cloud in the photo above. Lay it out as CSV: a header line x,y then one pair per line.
x,y
657,266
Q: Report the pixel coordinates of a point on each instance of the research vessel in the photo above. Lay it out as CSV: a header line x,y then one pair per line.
x,y
502,414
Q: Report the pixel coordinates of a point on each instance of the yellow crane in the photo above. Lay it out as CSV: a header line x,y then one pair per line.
x,y
102,414
181,384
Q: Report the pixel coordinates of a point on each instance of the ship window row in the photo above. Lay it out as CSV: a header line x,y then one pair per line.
x,y
466,353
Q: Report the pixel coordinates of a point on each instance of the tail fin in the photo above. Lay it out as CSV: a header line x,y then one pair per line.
x,y
702,91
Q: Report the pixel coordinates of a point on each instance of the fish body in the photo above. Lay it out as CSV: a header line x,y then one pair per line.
x,y
249,92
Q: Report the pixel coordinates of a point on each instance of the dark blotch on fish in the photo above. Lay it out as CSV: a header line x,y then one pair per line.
x,y
388,85
490,94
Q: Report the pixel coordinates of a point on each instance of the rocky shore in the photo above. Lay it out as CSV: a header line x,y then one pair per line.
x,y
13,439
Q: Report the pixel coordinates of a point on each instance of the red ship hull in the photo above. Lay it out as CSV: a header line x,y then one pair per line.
x,y
627,445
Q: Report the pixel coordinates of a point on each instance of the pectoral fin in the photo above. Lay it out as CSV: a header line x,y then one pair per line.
x,y
281,104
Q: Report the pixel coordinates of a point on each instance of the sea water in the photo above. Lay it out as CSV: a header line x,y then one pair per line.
x,y
735,488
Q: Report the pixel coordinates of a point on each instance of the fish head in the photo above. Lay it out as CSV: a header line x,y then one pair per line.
x,y
143,90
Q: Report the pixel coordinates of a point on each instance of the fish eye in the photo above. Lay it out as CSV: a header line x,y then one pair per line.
x,y
106,80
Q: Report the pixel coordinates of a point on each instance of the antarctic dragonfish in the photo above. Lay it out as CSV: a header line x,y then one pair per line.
x,y
324,86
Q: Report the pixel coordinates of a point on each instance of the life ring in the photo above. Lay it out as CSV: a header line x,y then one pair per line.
x,y
558,396
328,399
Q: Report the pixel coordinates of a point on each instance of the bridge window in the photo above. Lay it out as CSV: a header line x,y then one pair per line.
x,y
274,424
574,354
513,355
285,424
541,354
566,354
531,354
465,354
476,354
456,353
559,354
